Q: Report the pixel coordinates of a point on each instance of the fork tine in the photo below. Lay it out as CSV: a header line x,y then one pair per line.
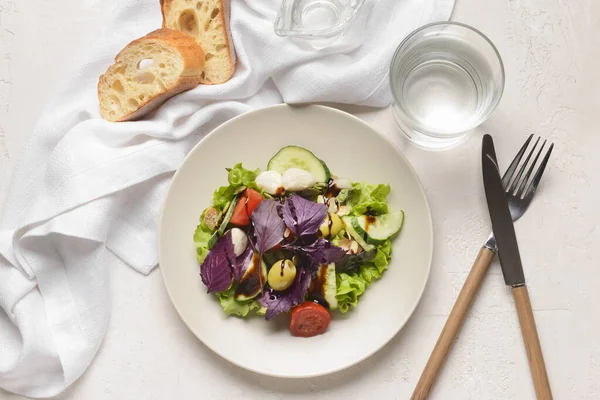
x,y
521,189
538,175
516,181
515,162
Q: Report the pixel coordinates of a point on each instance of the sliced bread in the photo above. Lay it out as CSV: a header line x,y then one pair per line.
x,y
208,22
147,72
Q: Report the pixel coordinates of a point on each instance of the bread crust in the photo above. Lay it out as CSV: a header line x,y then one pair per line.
x,y
165,5
193,66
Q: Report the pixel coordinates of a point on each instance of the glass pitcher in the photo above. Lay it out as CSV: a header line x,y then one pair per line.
x,y
316,19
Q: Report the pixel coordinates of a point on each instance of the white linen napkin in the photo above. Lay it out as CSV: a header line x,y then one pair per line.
x,y
86,190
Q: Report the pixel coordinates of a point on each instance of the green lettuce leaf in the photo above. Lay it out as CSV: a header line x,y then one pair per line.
x,y
223,195
365,198
237,177
238,308
351,286
342,197
202,237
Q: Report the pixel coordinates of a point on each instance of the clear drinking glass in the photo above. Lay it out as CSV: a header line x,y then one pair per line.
x,y
321,21
446,79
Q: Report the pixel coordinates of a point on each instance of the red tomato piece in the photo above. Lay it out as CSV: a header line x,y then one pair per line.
x,y
309,319
247,203
239,216
254,199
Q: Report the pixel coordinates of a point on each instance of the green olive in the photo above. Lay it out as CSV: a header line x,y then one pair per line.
x,y
282,274
331,226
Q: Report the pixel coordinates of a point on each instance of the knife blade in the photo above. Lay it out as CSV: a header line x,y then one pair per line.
x,y
512,269
502,224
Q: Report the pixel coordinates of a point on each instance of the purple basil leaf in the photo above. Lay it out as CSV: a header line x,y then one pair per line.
x,y
302,216
323,252
351,263
320,252
241,263
268,226
281,302
216,269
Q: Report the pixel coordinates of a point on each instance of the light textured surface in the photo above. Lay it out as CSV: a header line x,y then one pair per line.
x,y
552,55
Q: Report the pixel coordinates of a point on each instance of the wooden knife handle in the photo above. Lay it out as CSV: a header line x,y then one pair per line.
x,y
532,343
453,324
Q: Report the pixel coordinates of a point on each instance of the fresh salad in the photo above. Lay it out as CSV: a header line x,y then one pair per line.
x,y
294,239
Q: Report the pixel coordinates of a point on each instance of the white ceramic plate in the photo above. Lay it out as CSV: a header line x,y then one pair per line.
x,y
351,149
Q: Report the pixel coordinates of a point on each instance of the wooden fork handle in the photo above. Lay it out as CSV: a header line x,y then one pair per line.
x,y
532,343
453,324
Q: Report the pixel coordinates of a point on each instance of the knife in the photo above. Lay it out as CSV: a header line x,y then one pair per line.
x,y
512,269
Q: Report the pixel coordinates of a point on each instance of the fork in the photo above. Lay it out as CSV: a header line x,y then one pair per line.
x,y
520,190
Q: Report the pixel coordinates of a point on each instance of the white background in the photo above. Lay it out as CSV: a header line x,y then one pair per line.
x,y
551,50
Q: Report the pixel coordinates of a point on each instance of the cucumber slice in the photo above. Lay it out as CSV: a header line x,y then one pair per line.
x,y
330,287
230,208
323,286
378,229
228,214
298,157
352,232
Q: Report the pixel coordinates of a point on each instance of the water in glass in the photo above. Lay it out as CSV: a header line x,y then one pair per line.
x,y
445,82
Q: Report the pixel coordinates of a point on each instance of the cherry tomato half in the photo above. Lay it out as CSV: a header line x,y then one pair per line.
x,y
309,319
247,203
